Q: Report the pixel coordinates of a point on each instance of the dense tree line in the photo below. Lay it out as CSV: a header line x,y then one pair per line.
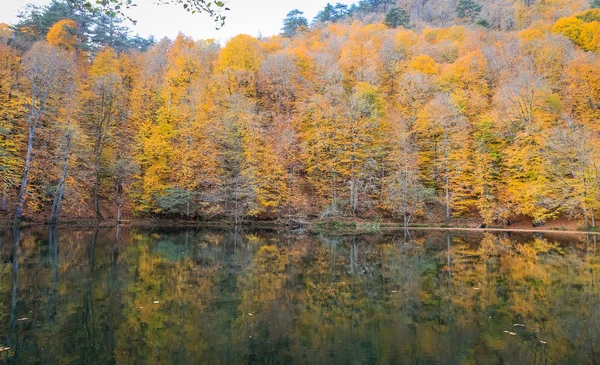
x,y
348,118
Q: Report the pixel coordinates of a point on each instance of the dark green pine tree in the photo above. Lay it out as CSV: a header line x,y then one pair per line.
x,y
35,21
294,20
595,4
468,9
373,6
333,13
397,17
325,15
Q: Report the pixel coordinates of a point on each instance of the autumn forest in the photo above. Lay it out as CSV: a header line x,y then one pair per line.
x,y
409,110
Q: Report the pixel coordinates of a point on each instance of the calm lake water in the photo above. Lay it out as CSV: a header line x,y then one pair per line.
x,y
160,296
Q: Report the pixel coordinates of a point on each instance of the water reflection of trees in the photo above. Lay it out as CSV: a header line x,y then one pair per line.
x,y
225,297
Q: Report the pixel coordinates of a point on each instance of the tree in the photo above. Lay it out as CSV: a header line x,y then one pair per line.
x,y
595,4
214,8
444,152
195,151
372,6
332,13
64,34
521,103
47,69
468,9
12,107
293,22
572,159
582,29
68,133
93,30
104,103
396,17
403,190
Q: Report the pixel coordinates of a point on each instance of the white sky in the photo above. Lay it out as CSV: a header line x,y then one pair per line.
x,y
246,16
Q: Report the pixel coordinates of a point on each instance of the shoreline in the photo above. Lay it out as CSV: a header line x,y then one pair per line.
x,y
345,227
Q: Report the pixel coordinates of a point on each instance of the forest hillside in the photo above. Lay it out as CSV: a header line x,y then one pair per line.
x,y
405,110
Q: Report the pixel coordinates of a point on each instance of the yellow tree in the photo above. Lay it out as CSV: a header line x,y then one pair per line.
x,y
583,89
11,109
104,103
64,34
572,156
359,53
48,69
443,137
523,108
195,153
238,63
266,175
582,28
146,101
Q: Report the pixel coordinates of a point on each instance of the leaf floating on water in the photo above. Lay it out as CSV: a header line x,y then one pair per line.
x,y
542,342
2,348
249,314
22,319
518,325
475,288
156,302
510,333
394,291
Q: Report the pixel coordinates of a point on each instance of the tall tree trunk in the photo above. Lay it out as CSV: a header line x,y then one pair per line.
x,y
447,175
34,119
98,157
60,189
23,188
353,196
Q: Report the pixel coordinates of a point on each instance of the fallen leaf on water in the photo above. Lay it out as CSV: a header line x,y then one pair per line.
x,y
22,319
156,302
518,325
2,349
542,342
510,333
475,288
249,314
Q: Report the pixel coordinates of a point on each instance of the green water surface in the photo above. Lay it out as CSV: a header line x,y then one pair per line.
x,y
142,296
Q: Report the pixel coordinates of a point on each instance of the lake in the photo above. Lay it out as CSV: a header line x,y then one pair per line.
x,y
168,296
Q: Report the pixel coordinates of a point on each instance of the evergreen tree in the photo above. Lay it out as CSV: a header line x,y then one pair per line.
x,y
396,17
372,6
595,4
293,21
332,13
94,31
468,9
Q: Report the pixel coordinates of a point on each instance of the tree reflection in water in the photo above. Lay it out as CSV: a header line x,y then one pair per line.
x,y
210,296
